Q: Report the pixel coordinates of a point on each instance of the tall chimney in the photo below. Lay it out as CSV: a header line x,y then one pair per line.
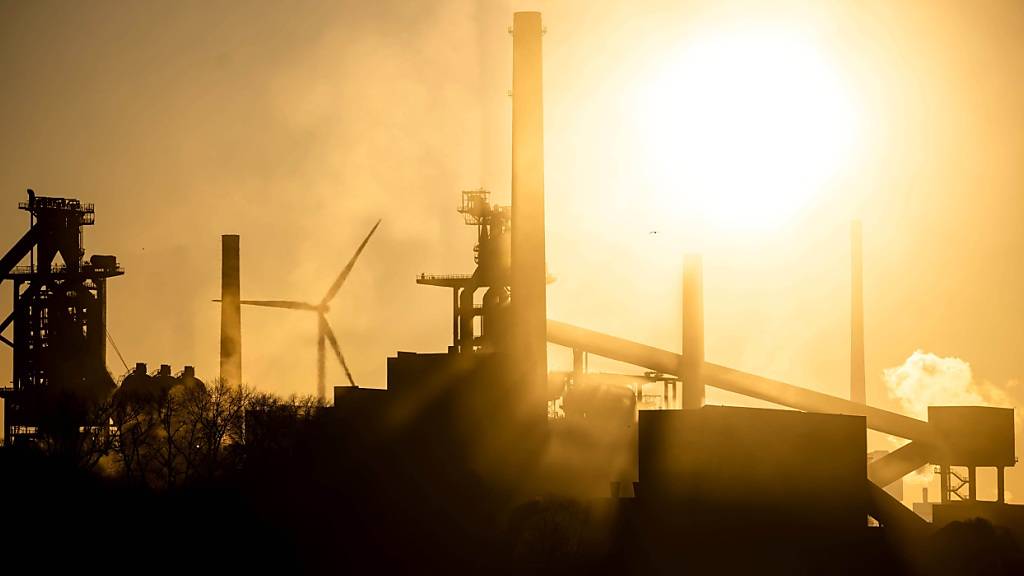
x,y
529,272
230,313
693,332
857,388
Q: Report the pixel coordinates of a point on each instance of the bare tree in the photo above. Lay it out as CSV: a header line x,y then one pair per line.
x,y
191,433
216,420
136,434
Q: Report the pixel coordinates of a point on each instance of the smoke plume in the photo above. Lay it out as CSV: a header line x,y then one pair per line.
x,y
926,379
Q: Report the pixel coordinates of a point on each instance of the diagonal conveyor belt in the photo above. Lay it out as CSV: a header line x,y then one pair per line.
x,y
898,463
893,515
736,381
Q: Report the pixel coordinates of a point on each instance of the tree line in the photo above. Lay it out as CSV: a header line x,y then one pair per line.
x,y
169,436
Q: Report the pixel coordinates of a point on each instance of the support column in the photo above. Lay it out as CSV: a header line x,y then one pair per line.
x,y
972,483
466,313
18,353
693,333
101,322
944,483
455,317
1000,485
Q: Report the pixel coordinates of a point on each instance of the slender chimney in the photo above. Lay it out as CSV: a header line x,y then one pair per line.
x,y
529,272
857,388
693,332
230,313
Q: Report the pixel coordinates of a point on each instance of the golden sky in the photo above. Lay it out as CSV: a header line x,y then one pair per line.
x,y
298,125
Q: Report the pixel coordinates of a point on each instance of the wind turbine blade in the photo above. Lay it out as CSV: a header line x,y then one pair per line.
x,y
326,329
288,304
348,268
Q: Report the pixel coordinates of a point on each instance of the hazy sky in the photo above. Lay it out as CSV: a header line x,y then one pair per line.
x,y
298,124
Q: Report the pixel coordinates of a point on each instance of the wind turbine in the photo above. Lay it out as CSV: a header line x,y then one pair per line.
x,y
324,331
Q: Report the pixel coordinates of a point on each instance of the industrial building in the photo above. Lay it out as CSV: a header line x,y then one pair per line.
x,y
807,468
768,467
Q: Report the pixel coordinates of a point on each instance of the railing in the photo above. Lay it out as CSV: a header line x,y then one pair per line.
x,y
58,204
444,276
86,268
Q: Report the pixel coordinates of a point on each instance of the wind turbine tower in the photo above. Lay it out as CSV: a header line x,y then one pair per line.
x,y
324,332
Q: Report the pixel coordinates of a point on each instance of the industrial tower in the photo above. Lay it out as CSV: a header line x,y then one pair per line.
x,y
492,255
59,316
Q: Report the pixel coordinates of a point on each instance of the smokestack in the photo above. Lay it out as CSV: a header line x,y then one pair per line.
x,y
230,313
529,272
693,332
857,388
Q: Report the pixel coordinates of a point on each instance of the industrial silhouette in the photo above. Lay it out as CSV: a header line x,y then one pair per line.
x,y
59,318
478,459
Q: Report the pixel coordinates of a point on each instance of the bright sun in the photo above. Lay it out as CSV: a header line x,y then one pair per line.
x,y
747,127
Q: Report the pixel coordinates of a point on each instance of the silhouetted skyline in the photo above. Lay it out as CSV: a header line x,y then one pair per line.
x,y
748,137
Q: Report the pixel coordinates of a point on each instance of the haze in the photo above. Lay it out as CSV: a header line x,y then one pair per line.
x,y
297,126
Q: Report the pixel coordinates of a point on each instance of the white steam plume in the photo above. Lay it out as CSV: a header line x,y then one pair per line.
x,y
926,379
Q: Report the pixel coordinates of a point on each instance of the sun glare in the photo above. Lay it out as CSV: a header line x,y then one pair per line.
x,y
747,127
